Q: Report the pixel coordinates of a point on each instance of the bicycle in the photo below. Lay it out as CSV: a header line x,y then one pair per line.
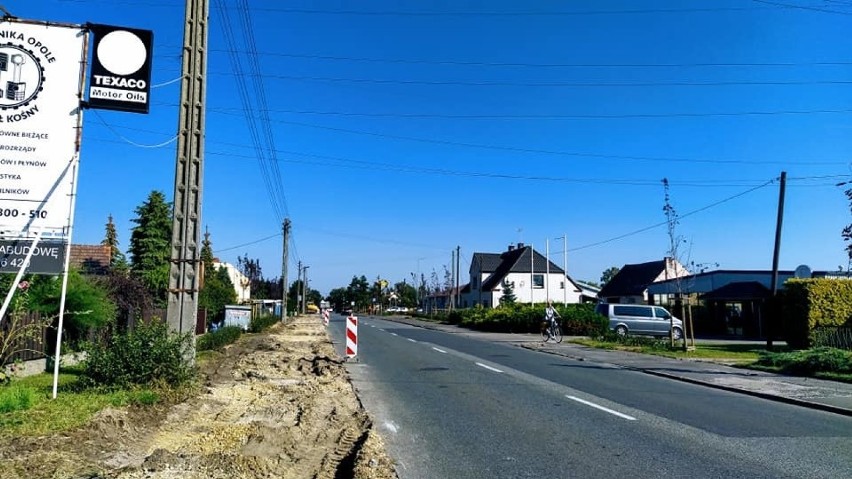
x,y
551,331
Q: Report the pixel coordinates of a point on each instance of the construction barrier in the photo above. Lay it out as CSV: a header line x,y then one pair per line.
x,y
325,317
351,336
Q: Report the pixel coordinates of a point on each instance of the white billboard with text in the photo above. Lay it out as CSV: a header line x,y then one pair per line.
x,y
41,74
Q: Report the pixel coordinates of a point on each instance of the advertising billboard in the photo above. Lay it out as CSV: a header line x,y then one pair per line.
x,y
41,75
121,68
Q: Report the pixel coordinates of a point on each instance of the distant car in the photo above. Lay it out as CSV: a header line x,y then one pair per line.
x,y
627,319
392,309
402,309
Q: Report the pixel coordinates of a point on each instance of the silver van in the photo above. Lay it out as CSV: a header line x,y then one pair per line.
x,y
640,319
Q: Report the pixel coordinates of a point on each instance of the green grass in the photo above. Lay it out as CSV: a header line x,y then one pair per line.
x,y
824,363
39,414
728,353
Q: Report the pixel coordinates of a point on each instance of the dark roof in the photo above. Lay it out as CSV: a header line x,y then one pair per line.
x,y
743,290
489,261
518,261
633,279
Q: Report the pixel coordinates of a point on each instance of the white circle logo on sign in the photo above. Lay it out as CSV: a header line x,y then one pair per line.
x,y
122,52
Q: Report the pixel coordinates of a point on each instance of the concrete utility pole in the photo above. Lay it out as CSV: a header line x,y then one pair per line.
x,y
298,307
305,289
458,281
285,258
770,330
189,168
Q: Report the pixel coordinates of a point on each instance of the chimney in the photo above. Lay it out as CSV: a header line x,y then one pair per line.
x,y
511,247
520,246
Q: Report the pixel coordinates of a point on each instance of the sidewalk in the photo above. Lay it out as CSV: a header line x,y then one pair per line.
x,y
821,394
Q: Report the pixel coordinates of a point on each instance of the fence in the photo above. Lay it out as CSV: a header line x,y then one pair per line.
x,y
28,348
833,337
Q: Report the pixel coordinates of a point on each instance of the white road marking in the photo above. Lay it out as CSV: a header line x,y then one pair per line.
x,y
394,334
596,406
489,368
413,341
439,350
391,427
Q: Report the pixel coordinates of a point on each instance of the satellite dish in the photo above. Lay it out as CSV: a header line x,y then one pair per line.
x,y
802,271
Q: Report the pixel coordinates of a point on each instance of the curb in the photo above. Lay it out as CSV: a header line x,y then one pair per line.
x,y
771,397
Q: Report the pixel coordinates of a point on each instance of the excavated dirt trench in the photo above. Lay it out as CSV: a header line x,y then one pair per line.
x,y
273,405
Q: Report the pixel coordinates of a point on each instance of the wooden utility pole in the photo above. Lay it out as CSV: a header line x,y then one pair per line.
x,y
775,317
305,289
185,254
284,260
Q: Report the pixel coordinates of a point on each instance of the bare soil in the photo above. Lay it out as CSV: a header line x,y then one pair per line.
x,y
272,405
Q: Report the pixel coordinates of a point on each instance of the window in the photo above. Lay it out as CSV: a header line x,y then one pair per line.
x,y
538,281
661,313
562,285
637,311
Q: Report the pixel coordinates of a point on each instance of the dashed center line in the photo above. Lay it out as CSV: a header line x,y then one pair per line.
x,y
597,406
394,334
489,368
439,350
413,341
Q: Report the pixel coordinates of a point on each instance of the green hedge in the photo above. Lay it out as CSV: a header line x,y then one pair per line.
x,y
218,339
577,319
147,355
263,322
810,304
809,362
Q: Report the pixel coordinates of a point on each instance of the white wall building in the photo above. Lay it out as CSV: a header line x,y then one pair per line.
x,y
242,285
533,279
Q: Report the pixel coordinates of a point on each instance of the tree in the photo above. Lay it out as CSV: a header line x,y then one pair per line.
x,y
88,306
217,292
117,260
608,274
508,297
206,253
406,293
250,268
338,299
150,244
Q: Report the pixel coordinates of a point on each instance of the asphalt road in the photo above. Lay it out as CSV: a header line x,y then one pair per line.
x,y
450,406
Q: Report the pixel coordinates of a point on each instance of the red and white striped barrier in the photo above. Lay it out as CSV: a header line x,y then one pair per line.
x,y
325,317
351,336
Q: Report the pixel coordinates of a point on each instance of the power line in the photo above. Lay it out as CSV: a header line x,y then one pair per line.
x,y
540,65
801,7
261,240
386,81
133,143
808,162
559,152
657,225
615,116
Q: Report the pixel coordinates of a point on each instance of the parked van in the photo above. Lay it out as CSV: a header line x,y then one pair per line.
x,y
640,319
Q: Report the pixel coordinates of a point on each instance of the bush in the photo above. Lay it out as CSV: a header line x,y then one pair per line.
x,y
808,362
15,398
147,355
263,322
809,304
577,319
218,339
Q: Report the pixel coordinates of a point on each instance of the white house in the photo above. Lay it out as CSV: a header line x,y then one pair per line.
x,y
242,285
532,277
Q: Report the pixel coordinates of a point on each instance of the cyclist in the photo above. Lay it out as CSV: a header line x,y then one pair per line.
x,y
550,315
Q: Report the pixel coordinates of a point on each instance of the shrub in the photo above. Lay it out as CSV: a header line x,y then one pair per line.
x,y
809,304
577,319
218,339
15,398
262,322
147,355
808,362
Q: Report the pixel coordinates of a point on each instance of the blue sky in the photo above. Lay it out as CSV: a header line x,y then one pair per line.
x,y
404,129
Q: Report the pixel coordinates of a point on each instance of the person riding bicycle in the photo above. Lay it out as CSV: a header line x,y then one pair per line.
x,y
550,315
